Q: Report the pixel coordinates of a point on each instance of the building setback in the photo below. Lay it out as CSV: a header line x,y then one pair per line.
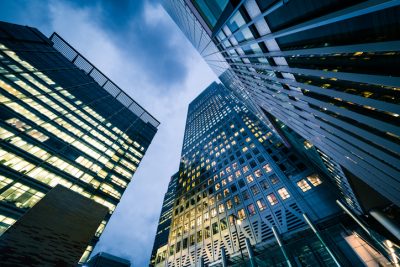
x,y
240,189
63,122
323,69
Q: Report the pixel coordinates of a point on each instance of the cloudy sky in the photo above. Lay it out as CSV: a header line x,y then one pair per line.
x,y
139,47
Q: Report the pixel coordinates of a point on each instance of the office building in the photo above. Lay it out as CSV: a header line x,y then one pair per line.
x,y
240,189
324,69
103,259
164,223
63,122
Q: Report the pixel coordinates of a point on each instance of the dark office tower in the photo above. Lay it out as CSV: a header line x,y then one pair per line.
x,y
240,190
103,259
63,122
324,68
164,223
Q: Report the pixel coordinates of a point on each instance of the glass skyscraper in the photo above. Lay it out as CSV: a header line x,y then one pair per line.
x,y
243,195
164,223
325,69
63,122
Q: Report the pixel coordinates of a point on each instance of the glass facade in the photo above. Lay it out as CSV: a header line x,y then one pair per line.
x,y
237,180
164,223
324,68
58,125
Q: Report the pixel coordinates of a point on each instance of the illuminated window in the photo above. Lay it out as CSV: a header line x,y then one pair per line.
x,y
314,179
258,173
283,193
221,208
217,187
304,186
249,178
261,204
213,212
245,169
241,214
272,199
267,168
229,204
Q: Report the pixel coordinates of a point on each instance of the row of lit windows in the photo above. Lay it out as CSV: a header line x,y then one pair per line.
x,y
47,80
59,120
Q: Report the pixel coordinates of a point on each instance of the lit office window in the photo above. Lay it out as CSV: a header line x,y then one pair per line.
x,y
261,204
314,179
272,199
304,186
284,194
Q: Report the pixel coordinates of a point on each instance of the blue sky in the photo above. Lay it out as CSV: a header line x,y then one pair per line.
x,y
139,47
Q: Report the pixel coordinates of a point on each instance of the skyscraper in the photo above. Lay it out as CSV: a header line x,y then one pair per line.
x,y
63,122
164,223
241,193
323,69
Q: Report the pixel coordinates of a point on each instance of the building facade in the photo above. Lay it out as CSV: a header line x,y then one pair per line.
x,y
103,259
164,223
63,122
240,189
323,69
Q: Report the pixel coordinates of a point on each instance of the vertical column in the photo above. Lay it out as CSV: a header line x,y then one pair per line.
x,y
251,253
223,258
278,239
320,239
201,262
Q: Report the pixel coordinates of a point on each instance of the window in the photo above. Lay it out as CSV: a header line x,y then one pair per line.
x,y
304,186
251,209
249,178
258,173
314,179
221,208
217,187
272,199
261,204
267,168
215,228
229,204
226,192
245,169
236,199
274,179
264,184
207,233
213,212
283,193
223,224
255,189
199,236
241,214
246,195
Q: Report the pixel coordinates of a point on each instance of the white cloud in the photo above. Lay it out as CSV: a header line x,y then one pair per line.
x,y
131,230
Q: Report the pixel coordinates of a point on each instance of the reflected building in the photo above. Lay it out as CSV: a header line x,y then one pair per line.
x,y
240,190
63,122
323,71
